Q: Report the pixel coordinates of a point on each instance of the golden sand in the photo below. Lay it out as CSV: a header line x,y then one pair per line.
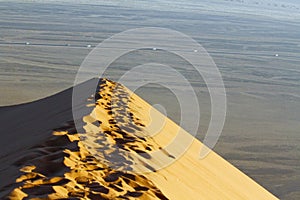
x,y
121,139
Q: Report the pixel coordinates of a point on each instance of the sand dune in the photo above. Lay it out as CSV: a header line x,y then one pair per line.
x,y
120,152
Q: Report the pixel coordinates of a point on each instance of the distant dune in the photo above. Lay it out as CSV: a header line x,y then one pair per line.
x,y
44,156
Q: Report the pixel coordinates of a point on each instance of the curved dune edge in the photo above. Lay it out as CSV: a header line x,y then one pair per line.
x,y
120,135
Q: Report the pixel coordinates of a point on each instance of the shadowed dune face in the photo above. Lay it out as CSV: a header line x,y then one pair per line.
x,y
63,167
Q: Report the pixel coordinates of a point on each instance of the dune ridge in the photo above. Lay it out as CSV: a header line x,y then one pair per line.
x,y
118,139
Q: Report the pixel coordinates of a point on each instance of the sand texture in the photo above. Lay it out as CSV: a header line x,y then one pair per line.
x,y
124,149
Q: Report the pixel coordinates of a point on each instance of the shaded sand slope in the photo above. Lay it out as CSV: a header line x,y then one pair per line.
x,y
35,119
116,152
26,125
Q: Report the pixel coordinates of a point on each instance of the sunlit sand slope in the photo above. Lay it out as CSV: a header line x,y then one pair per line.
x,y
125,149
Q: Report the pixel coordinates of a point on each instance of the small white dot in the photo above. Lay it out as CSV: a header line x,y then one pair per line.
x,y
276,55
154,49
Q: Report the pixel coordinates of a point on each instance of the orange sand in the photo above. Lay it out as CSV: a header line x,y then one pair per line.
x,y
126,153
